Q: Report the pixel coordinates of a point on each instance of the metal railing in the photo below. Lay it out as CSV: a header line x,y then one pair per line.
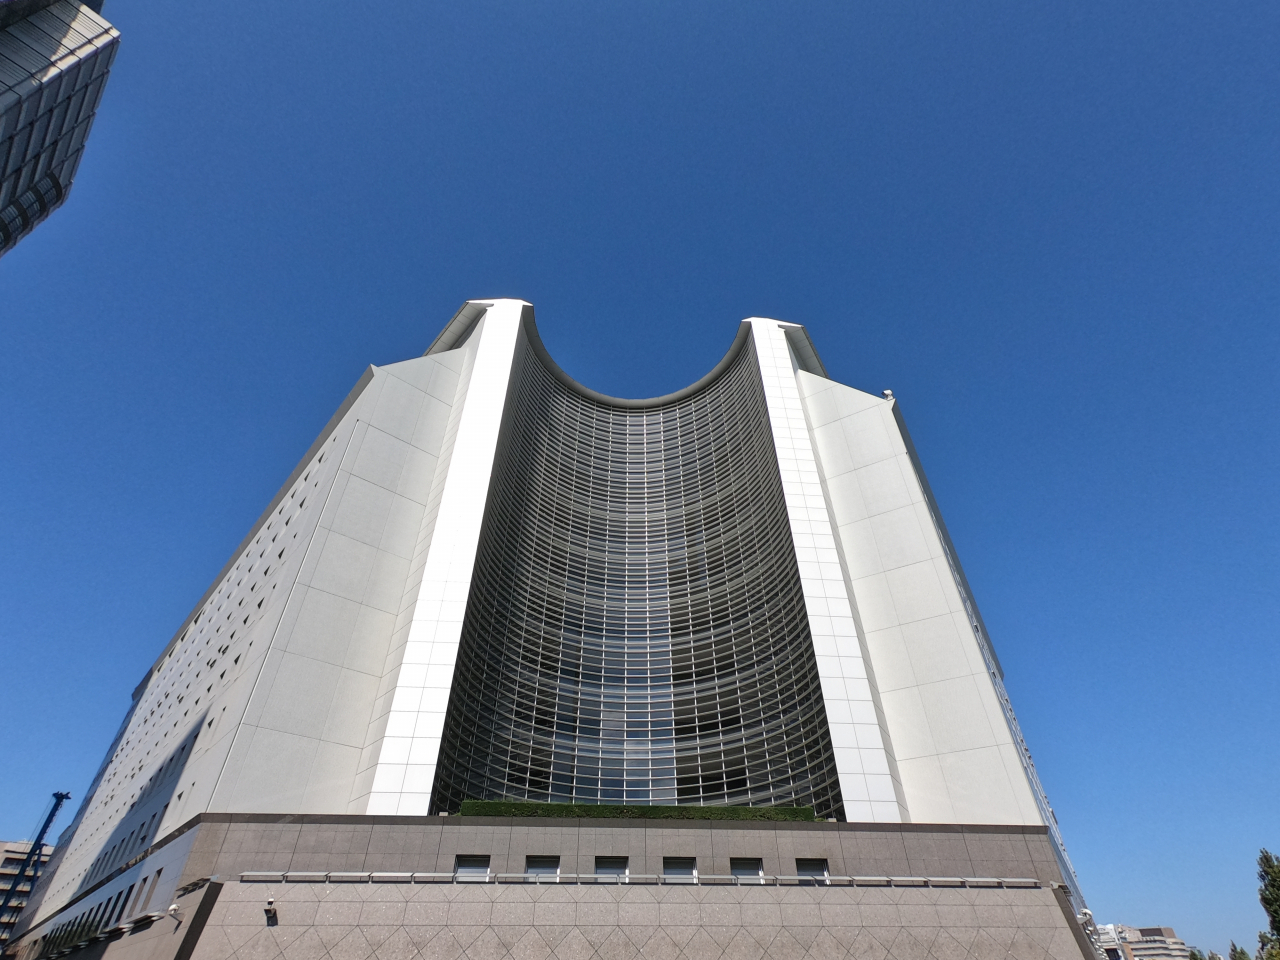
x,y
766,880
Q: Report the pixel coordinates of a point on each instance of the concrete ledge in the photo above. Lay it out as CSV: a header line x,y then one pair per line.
x,y
305,876
391,877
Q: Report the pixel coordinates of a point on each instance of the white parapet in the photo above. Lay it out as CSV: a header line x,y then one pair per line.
x,y
410,747
864,756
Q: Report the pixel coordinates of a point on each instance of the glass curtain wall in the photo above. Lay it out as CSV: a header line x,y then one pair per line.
x,y
636,631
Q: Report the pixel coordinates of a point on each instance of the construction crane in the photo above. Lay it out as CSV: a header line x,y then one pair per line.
x,y
34,854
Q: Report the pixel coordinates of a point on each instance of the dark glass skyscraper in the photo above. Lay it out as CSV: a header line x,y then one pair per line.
x,y
55,56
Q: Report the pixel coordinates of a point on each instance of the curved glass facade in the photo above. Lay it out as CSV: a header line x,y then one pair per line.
x,y
635,630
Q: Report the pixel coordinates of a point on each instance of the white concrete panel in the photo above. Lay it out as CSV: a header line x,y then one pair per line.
x,y
400,533
349,709
930,802
300,696
936,650
867,437
883,486
429,432
419,470
1014,771
874,599
324,627
381,458
845,495
368,648
956,715
822,408
344,567
846,683
386,582
273,777
862,556
917,593
436,624
837,458
415,373
899,538
980,788
912,732
895,668
940,699
362,512
397,410
332,770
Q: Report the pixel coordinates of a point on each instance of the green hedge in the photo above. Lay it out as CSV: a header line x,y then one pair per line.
x,y
520,808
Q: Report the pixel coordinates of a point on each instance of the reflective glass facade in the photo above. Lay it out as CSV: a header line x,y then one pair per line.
x,y
636,630
54,61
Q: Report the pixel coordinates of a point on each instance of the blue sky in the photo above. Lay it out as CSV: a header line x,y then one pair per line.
x,y
1051,229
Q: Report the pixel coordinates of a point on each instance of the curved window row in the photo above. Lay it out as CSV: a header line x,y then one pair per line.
x,y
636,631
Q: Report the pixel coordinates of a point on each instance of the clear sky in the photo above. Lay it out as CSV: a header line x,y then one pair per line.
x,y
1051,229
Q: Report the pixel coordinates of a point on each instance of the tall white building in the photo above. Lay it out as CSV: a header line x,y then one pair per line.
x,y
485,581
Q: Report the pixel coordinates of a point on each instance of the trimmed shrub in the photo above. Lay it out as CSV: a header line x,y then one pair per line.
x,y
523,808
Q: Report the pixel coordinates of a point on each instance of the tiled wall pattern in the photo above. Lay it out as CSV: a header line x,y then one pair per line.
x,y
262,701
176,737
495,922
303,736
355,860
53,67
956,756
864,754
231,844
411,742
394,663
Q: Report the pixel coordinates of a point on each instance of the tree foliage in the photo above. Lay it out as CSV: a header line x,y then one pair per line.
x,y
1269,897
1269,892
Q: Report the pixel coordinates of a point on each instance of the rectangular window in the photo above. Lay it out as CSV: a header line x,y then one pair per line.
x,y
611,867
812,868
151,890
747,868
543,866
124,907
471,867
680,867
137,900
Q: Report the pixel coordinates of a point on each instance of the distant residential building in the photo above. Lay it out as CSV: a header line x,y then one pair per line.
x,y
14,853
1120,942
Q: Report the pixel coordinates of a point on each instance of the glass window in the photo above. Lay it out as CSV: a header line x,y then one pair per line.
x,y
746,867
543,865
611,867
812,867
679,866
471,866
636,594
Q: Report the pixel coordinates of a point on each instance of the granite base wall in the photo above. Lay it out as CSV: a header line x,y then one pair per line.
x,y
941,917
231,844
572,922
